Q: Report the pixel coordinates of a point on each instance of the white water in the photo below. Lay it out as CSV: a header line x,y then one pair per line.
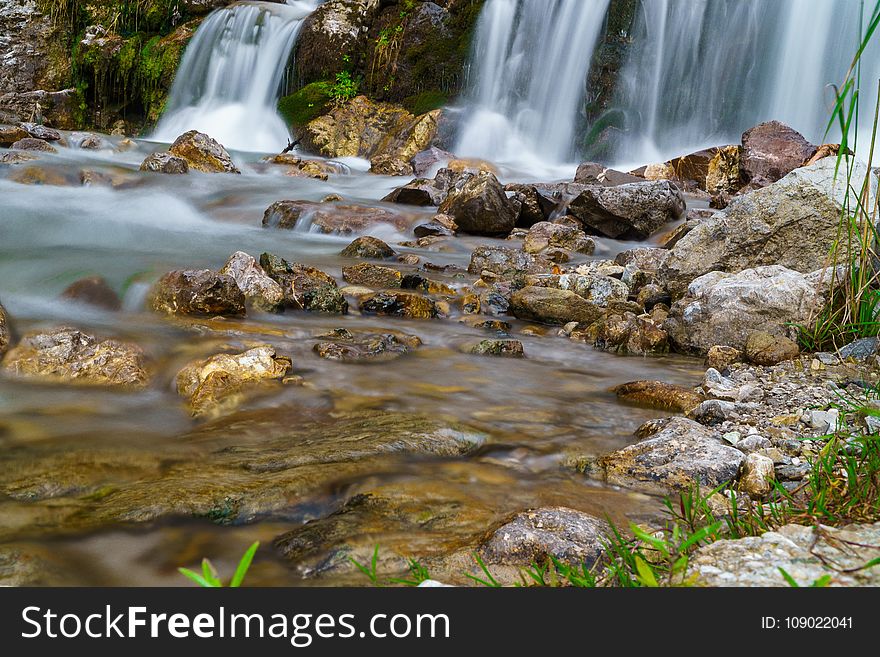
x,y
703,71
530,62
229,79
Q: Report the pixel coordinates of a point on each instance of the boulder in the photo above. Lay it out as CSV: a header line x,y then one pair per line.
x,y
34,144
634,211
40,131
59,108
593,173
372,275
217,382
479,205
722,308
305,287
9,134
419,192
258,287
505,263
390,165
5,331
596,288
197,292
792,223
724,174
164,162
672,459
545,235
629,334
552,306
532,537
423,161
400,304
720,357
660,395
369,248
329,218
441,225
772,150
94,291
767,349
203,153
365,347
67,355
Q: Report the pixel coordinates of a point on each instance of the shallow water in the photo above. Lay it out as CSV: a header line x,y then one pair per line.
x,y
537,416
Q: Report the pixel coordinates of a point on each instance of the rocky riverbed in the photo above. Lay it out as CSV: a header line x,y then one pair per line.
x,y
203,348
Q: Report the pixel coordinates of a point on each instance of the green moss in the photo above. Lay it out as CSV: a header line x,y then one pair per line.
x,y
427,101
306,104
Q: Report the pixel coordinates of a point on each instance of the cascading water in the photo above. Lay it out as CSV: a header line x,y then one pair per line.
x,y
229,80
531,59
700,72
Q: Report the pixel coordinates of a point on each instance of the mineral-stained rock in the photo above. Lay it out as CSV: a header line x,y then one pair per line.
x,y
258,287
217,382
507,348
369,248
70,356
767,349
203,153
552,306
720,357
772,150
164,163
94,291
533,537
390,165
197,292
347,346
673,459
400,304
658,394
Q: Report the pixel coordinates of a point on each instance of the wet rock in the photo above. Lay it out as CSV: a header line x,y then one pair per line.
x,y
16,157
304,287
505,263
389,165
757,476
203,153
803,552
197,292
544,235
441,225
164,163
726,308
592,173
645,259
5,331
217,383
33,144
66,355
419,192
356,347
766,349
725,175
534,206
652,295
506,348
372,275
60,108
91,142
772,150
634,211
40,131
258,287
423,161
426,285
594,287
720,357
479,205
552,306
673,459
628,334
792,223
367,247
9,134
400,304
533,537
329,218
93,291
658,394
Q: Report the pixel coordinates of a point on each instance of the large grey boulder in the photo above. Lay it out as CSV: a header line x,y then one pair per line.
x,y
634,211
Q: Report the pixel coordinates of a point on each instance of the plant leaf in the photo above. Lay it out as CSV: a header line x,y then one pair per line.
x,y
244,565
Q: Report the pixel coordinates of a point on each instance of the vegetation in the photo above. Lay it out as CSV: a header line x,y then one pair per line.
x,y
209,577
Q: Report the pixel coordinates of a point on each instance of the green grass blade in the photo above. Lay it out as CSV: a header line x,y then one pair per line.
x,y
244,565
196,577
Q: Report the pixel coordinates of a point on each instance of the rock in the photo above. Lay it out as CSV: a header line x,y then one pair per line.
x,y
329,218
544,235
628,334
389,165
258,287
825,150
423,161
441,225
32,144
505,263
66,355
164,163
713,411
400,304
673,459
720,357
592,173
757,476
16,157
203,153
60,108
5,332
596,288
792,223
217,382
369,248
766,349
859,350
773,150
552,306
479,205
807,554
93,291
725,175
532,537
92,142
343,345
508,348
304,287
658,394
634,211
419,192
726,308
9,134
40,131
372,275
645,259
197,292
426,285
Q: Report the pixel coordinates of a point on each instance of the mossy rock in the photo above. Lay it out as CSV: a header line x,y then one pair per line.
x,y
306,104
425,102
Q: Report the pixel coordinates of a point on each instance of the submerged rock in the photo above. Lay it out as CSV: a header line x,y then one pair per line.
x,y
671,460
67,355
329,218
216,383
164,163
368,247
552,306
344,345
479,205
658,394
203,153
94,291
258,287
400,304
506,348
197,292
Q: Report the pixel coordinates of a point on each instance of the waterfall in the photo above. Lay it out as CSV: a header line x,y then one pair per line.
x,y
530,61
229,79
700,72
